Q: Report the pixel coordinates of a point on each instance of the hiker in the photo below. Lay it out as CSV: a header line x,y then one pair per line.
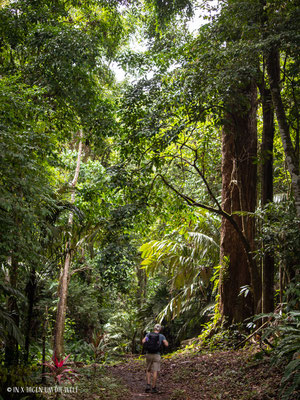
x,y
152,344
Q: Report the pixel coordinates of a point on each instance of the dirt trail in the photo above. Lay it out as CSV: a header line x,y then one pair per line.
x,y
226,375
133,377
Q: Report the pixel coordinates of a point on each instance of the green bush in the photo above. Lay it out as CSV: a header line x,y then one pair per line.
x,y
286,353
19,376
80,350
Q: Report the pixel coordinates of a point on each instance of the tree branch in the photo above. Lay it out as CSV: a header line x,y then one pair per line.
x,y
218,211
80,269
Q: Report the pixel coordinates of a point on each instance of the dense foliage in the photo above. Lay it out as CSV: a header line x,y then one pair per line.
x,y
143,219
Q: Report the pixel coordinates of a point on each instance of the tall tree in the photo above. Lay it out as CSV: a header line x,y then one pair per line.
x,y
61,51
25,190
239,179
211,84
279,26
65,273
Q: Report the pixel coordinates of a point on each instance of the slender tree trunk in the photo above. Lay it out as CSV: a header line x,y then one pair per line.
x,y
291,156
64,278
30,292
267,148
239,178
44,337
142,286
11,346
267,195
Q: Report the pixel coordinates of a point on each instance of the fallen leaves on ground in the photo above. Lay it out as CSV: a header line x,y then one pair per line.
x,y
226,375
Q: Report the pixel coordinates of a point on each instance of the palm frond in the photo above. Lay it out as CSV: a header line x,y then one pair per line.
x,y
8,327
187,258
10,291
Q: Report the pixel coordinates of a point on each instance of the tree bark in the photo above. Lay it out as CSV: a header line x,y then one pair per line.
x,y
239,178
64,278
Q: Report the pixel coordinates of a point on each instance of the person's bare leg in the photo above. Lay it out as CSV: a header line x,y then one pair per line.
x,y
148,375
154,379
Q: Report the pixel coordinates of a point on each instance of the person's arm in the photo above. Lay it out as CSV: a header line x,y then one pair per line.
x,y
164,340
145,339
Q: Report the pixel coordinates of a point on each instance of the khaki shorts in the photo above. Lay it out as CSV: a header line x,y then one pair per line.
x,y
152,362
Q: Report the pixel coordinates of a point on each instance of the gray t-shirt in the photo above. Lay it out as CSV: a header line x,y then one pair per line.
x,y
160,338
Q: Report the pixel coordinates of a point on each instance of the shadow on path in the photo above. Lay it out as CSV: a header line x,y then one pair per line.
x,y
226,375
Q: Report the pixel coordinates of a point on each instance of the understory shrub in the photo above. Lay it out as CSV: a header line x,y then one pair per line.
x,y
19,376
284,333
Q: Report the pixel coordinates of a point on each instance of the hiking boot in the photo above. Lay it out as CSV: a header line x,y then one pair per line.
x,y
154,390
148,388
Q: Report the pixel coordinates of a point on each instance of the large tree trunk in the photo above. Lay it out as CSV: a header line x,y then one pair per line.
x,y
64,278
267,195
291,156
239,178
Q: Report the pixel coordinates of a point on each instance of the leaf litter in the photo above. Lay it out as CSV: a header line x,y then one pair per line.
x,y
226,375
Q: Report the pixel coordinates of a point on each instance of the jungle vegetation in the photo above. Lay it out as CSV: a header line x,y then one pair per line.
x,y
171,195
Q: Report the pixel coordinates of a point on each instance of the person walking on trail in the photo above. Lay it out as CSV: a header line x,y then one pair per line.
x,y
152,343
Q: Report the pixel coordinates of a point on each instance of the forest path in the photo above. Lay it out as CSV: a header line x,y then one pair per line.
x,y
226,375
133,378
132,374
